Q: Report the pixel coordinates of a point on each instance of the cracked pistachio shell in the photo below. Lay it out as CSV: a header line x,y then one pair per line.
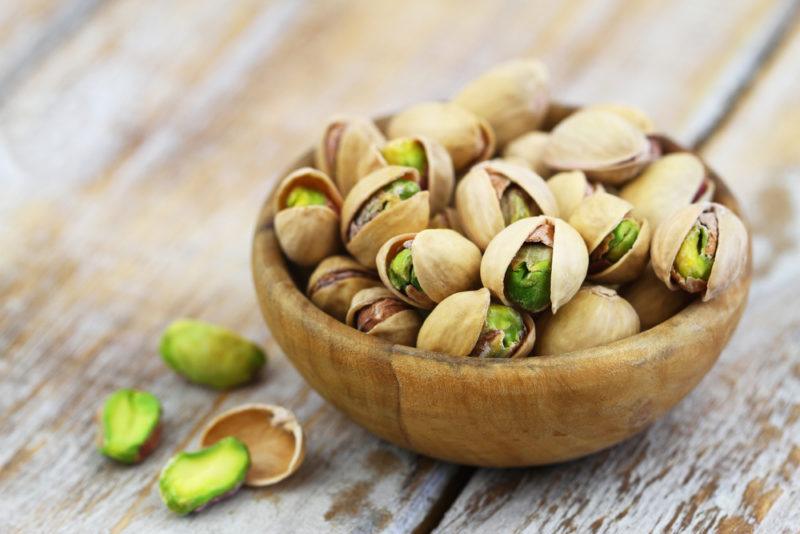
x,y
730,259
455,325
595,316
513,97
448,218
439,180
568,268
594,219
606,147
529,148
466,137
569,189
633,115
410,215
477,203
400,328
445,262
668,184
342,144
348,278
651,299
307,234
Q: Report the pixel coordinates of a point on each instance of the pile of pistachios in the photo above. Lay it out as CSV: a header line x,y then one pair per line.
x,y
472,231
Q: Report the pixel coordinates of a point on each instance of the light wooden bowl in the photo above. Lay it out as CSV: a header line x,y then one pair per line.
x,y
524,412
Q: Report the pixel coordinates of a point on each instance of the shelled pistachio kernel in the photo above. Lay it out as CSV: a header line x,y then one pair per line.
x,y
406,152
502,333
515,205
695,257
192,481
130,421
527,280
401,271
210,355
621,239
302,196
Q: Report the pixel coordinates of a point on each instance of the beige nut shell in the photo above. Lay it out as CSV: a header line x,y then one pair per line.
x,y
477,203
730,259
273,437
633,115
513,97
358,136
568,268
445,262
410,215
651,299
334,299
448,218
529,148
466,137
595,316
307,234
569,188
401,328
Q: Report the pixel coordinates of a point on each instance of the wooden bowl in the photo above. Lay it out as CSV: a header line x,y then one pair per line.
x,y
524,412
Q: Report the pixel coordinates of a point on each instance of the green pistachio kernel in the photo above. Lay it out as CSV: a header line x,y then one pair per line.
x,y
502,331
514,205
405,152
192,481
623,236
130,421
401,271
210,355
305,196
402,189
692,261
527,280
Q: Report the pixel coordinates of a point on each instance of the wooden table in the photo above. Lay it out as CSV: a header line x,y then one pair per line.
x,y
137,140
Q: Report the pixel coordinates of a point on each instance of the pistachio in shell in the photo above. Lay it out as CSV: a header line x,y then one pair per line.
x,y
378,312
529,147
334,282
427,267
595,316
272,434
651,299
513,97
307,207
130,425
617,239
537,263
668,184
210,355
469,324
569,189
193,481
497,193
702,248
633,115
387,202
466,137
344,141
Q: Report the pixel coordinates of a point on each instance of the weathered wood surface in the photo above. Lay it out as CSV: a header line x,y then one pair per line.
x,y
133,158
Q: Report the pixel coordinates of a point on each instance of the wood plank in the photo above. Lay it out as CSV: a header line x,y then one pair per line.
x,y
727,459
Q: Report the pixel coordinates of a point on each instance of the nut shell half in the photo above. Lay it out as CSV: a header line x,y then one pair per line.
x,y
569,189
400,328
339,156
633,115
334,282
529,148
651,299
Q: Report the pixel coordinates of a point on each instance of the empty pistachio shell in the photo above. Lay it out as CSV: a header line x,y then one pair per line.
x,y
467,324
307,207
425,268
130,425
670,183
468,138
383,204
517,255
529,148
192,481
633,115
701,248
378,312
513,97
273,437
595,316
569,190
618,241
334,282
651,299
495,194
210,355
342,144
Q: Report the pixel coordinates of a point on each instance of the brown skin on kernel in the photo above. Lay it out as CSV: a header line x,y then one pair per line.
x,y
334,276
380,310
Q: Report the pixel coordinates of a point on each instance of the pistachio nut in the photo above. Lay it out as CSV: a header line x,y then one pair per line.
x,y
386,202
378,312
343,142
430,158
513,97
425,268
702,248
569,189
448,218
529,148
469,324
595,316
210,355
618,240
467,138
668,184
130,425
193,481
535,264
651,299
334,282
495,194
633,115
307,207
